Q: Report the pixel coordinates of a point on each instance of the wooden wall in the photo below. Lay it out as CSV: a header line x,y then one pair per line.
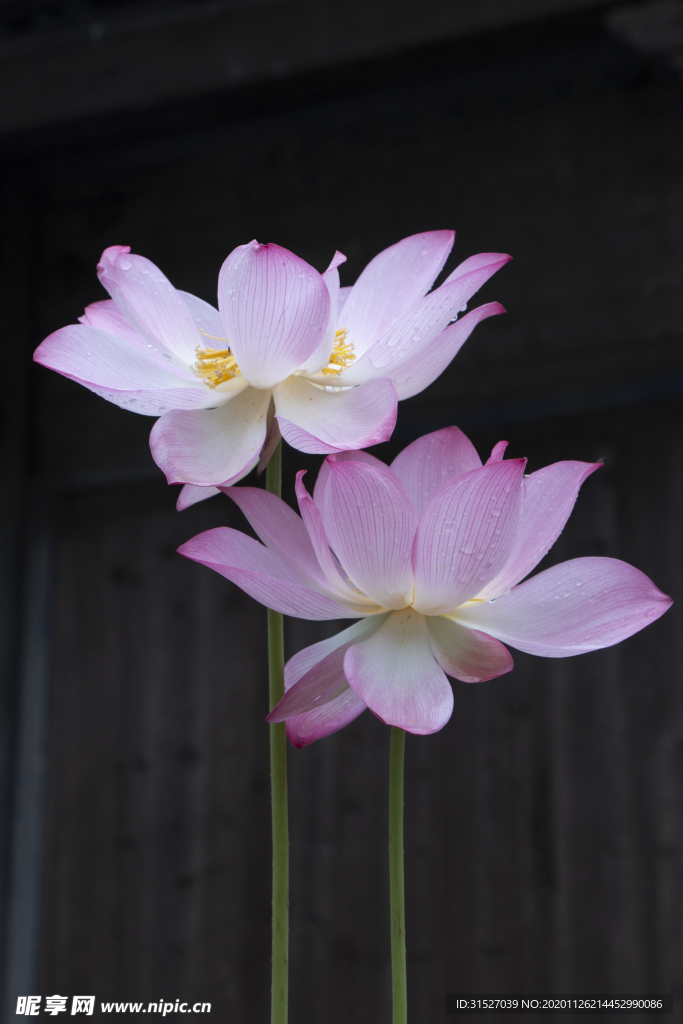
x,y
544,823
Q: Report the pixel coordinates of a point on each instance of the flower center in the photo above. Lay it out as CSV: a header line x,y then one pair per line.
x,y
215,365
343,353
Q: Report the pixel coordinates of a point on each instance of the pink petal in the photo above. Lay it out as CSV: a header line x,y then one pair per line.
x,y
321,685
262,574
370,525
395,674
126,374
213,446
420,369
325,560
321,356
306,659
465,535
314,725
421,364
275,308
431,461
484,263
355,455
335,262
108,317
548,497
400,350
578,606
207,320
280,529
191,494
317,421
308,688
412,332
467,654
149,301
497,452
391,283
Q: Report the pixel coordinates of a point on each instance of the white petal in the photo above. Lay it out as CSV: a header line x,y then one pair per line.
x,y
318,421
207,319
132,376
396,675
321,356
213,446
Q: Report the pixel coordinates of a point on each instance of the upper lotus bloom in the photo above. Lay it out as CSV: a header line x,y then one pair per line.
x,y
333,361
429,555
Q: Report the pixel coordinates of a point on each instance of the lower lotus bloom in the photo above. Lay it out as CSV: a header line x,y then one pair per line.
x,y
328,363
428,555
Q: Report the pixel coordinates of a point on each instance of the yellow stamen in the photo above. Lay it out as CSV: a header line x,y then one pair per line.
x,y
215,365
343,353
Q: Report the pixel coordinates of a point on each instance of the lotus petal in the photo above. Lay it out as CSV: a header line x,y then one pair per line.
x,y
370,525
581,605
465,535
262,574
275,308
214,446
432,461
396,675
319,421
467,654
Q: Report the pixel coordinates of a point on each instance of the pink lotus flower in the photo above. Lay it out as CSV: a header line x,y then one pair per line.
x,y
428,555
333,361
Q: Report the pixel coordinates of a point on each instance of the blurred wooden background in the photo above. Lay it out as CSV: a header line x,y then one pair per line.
x,y
544,824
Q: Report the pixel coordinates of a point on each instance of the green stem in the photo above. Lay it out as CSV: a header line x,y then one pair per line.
x,y
278,781
396,877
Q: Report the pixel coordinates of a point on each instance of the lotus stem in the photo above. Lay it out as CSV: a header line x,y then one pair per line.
x,y
278,782
396,877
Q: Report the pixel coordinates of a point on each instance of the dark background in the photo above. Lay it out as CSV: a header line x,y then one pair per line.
x,y
545,822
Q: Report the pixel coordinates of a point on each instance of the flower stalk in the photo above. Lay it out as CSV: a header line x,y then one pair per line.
x,y
396,877
278,779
